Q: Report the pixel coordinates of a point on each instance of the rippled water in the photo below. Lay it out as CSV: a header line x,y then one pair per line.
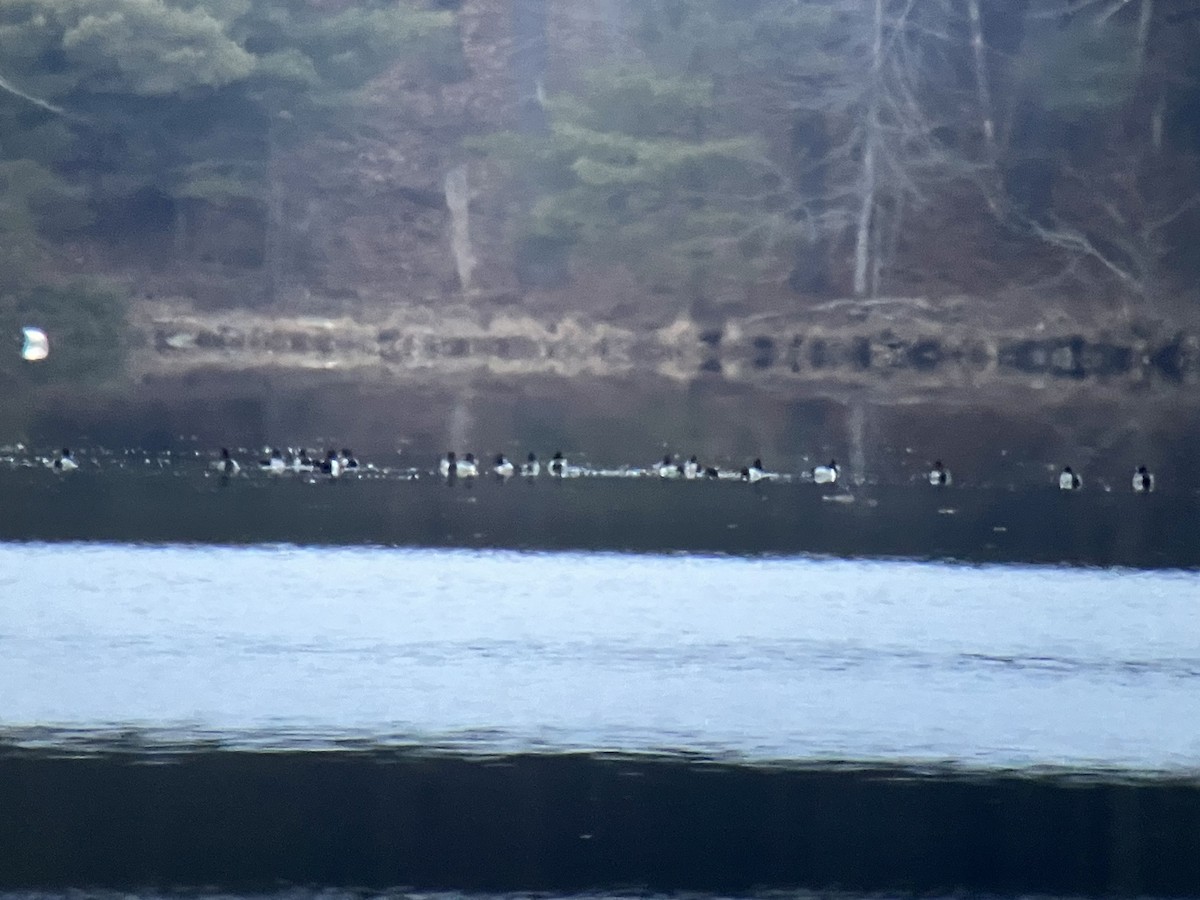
x,y
786,658
596,683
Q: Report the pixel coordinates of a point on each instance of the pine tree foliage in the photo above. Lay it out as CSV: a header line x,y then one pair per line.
x,y
636,172
112,107
839,147
180,96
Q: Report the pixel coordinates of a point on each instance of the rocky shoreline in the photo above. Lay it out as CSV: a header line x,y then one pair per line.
x,y
914,351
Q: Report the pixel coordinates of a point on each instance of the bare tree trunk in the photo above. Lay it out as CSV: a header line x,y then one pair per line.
x,y
987,117
180,236
458,201
1143,38
862,242
273,227
863,235
1143,32
982,82
893,240
877,224
1156,124
530,62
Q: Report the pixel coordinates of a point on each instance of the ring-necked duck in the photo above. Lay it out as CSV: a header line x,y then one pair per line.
x,y
468,468
531,468
1143,481
65,462
754,472
1068,480
938,475
227,465
503,468
826,474
273,465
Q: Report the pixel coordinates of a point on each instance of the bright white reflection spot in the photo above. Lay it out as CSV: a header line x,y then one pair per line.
x,y
36,346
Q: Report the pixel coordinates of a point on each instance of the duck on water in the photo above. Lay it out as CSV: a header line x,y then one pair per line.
x,y
1143,481
227,465
938,476
273,464
668,468
826,474
531,468
65,461
754,472
503,467
1069,481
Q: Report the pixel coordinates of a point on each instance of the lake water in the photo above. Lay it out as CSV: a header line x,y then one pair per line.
x,y
595,683
763,658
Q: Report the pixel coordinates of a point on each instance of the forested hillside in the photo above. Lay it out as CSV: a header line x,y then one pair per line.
x,y
628,160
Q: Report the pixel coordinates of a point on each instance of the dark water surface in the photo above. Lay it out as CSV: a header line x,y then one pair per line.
x,y
180,502
571,823
388,682
989,435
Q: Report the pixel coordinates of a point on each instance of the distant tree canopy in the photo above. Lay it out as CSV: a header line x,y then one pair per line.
x,y
122,115
635,170
710,147
831,143
181,98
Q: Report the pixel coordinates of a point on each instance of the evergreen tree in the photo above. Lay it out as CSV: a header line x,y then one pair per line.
x,y
142,114
183,98
635,172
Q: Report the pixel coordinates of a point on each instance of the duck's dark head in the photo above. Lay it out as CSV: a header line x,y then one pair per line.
x,y
757,463
532,457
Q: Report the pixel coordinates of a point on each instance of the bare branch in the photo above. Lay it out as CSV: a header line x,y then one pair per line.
x,y
1112,11
1068,10
36,101
1163,221
1077,242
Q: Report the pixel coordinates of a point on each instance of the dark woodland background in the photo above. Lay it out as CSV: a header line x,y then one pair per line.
x,y
697,188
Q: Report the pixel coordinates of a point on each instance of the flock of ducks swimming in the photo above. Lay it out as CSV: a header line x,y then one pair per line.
x,y
452,467
1142,481
336,463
